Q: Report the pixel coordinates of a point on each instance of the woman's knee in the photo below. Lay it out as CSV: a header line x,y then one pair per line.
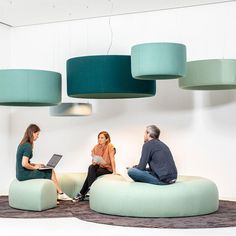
x,y
91,168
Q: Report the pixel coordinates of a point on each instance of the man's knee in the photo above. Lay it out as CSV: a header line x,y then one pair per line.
x,y
132,172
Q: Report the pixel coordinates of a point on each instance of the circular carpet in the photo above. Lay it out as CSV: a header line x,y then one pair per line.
x,y
224,217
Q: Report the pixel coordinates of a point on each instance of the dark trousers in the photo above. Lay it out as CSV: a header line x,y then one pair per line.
x,y
93,172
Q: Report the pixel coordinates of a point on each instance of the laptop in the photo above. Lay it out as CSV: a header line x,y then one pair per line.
x,y
52,162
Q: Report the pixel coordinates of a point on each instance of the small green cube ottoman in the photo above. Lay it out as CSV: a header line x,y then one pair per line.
x,y
33,195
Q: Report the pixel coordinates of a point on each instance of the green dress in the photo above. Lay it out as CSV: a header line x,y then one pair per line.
x,y
23,173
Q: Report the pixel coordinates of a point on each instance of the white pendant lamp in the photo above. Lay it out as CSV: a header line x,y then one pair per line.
x,y
71,109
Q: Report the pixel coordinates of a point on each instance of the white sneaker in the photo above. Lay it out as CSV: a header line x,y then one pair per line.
x,y
63,197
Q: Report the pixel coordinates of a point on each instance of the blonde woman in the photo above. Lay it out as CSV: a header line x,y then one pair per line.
x,y
26,170
103,162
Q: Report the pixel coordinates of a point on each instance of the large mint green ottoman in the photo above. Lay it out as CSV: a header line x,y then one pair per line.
x,y
189,196
71,183
32,195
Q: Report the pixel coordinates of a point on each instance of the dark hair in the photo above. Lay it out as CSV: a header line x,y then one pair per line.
x,y
107,136
153,131
28,136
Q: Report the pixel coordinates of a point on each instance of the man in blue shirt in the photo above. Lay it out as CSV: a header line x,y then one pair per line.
x,y
157,155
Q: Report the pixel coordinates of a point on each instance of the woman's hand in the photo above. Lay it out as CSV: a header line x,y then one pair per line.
x,y
94,163
37,166
115,173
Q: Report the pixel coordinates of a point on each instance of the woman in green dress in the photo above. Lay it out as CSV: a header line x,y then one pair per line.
x,y
26,170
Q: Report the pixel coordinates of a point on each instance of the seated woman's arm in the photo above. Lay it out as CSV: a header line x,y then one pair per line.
x,y
25,163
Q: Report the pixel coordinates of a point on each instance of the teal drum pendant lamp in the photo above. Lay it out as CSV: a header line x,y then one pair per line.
x,y
71,109
23,87
105,77
158,61
213,74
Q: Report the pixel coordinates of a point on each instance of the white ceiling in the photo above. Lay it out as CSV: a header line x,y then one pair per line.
x,y
30,12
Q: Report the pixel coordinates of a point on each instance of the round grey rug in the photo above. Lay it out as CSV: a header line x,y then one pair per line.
x,y
224,217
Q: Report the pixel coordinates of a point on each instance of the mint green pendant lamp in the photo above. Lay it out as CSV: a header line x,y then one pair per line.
x,y
71,109
105,77
213,74
23,87
157,61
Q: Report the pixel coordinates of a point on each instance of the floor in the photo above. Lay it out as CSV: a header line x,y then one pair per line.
x,y
74,226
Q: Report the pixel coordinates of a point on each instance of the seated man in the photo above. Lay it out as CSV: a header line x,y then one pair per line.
x,y
157,155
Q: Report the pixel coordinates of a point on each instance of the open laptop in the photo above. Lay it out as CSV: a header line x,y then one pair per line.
x,y
52,162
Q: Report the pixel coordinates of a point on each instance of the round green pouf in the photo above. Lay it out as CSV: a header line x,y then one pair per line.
x,y
156,61
20,87
189,196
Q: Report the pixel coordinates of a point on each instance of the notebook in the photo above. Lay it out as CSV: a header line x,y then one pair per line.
x,y
99,160
52,162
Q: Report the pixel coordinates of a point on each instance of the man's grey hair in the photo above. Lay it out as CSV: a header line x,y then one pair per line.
x,y
153,131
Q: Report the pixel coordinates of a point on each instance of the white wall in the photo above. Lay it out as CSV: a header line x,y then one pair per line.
x,y
199,127
5,159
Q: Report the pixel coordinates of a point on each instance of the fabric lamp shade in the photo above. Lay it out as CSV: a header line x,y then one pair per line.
x,y
23,87
105,77
71,109
213,74
157,61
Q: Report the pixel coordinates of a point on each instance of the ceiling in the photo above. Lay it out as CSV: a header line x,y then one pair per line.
x,y
30,12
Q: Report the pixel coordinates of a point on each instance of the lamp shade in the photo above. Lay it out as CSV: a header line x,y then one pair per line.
x,y
214,74
22,87
71,109
105,77
154,61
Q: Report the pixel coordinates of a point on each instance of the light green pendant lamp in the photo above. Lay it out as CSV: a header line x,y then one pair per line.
x,y
214,74
157,61
71,109
23,87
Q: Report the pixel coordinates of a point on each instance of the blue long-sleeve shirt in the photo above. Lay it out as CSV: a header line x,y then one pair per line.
x,y
160,160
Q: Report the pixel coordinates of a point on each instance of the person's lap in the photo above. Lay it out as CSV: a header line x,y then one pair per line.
x,y
36,174
144,176
99,170
102,171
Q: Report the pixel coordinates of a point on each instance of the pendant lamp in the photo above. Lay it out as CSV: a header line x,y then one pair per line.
x,y
157,61
23,87
213,74
105,77
71,109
